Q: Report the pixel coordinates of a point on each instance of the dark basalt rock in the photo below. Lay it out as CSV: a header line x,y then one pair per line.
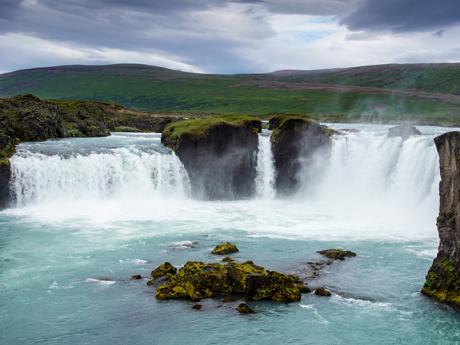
x,y
136,277
295,142
197,280
225,249
403,131
337,254
323,292
243,308
443,279
5,176
219,154
197,306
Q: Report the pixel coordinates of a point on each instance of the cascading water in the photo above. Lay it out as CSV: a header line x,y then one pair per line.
x,y
127,172
265,179
376,179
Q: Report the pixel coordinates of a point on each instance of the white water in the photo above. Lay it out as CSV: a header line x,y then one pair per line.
x,y
369,187
265,179
119,173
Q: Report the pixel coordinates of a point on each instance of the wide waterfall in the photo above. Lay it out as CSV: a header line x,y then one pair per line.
x,y
92,212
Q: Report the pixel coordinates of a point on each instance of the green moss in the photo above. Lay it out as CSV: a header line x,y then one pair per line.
x,y
125,129
225,249
197,280
199,127
445,285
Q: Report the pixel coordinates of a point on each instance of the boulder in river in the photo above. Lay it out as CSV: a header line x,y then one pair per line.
x,y
296,141
337,254
163,270
219,154
323,292
243,308
403,131
197,280
225,249
443,278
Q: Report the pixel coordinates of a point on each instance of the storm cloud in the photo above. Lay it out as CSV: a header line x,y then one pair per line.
x,y
222,36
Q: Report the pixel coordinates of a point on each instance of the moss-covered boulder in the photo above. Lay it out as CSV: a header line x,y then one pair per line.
x,y
337,254
296,142
198,280
243,308
225,249
219,154
323,292
163,270
443,278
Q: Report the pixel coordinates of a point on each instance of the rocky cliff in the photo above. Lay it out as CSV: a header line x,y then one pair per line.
x,y
219,154
28,118
295,141
443,279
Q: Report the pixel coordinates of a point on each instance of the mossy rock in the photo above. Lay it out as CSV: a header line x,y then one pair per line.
x,y
243,308
337,254
225,249
198,280
198,128
163,270
323,292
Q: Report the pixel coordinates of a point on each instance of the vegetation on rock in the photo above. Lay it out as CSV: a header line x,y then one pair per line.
x,y
337,254
197,280
243,308
225,249
295,142
443,278
219,154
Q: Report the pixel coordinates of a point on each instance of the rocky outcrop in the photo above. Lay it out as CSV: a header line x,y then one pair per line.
x,y
225,249
337,254
443,279
28,118
403,131
197,280
295,142
146,123
219,154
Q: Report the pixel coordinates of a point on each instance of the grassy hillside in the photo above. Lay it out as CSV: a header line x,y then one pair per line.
x,y
390,93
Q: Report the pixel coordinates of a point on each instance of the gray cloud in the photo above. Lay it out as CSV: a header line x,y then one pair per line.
x,y
404,15
214,35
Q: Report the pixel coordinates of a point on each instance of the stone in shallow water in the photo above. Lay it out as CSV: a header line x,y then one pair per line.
x,y
197,306
136,277
337,254
225,249
163,270
321,291
243,308
198,280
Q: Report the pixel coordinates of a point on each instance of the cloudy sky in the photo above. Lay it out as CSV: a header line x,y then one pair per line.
x,y
228,36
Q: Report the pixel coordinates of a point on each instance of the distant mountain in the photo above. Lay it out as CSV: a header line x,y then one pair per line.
x,y
425,93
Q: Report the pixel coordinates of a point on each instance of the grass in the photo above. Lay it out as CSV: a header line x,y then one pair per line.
x,y
183,93
198,128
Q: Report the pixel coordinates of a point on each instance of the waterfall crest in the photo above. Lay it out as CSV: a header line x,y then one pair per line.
x,y
126,172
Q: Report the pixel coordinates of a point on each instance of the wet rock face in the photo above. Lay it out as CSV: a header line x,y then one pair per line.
x,y
5,175
220,161
443,279
403,131
295,142
337,254
198,280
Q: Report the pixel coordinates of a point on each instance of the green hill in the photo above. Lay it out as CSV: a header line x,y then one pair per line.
x,y
428,93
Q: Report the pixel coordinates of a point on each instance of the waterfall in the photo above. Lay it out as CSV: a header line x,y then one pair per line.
x,y
121,172
369,176
265,177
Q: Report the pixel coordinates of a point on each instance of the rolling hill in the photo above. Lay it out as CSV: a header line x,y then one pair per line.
x,y
420,93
